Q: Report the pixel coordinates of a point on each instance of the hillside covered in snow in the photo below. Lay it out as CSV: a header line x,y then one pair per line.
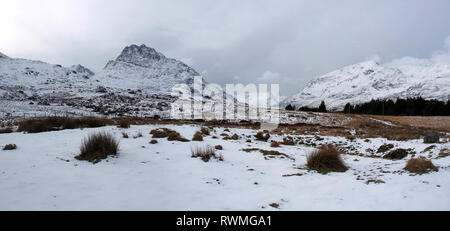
x,y
362,82
138,82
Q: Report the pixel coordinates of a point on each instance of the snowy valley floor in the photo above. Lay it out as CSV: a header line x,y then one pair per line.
x,y
42,174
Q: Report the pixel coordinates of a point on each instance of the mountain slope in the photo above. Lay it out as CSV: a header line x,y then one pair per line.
x,y
368,80
138,83
143,68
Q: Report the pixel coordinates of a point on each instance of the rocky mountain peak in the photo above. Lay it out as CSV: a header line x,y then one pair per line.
x,y
2,55
140,55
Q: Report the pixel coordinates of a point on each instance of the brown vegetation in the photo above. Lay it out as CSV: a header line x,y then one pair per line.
x,y
10,147
205,153
98,146
326,159
420,165
198,136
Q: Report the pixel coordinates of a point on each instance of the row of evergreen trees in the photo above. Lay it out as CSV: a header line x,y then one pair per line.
x,y
407,107
321,108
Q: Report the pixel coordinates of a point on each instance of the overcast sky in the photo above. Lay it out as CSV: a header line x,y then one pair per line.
x,y
286,42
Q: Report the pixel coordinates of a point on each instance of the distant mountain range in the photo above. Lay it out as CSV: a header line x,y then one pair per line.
x,y
137,83
362,82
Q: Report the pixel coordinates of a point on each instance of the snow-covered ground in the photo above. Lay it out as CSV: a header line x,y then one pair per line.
x,y
42,174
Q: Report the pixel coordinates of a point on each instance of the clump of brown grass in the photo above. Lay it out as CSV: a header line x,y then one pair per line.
x,y
444,152
385,148
288,141
124,123
218,147
326,159
6,130
262,136
205,153
273,153
98,146
396,154
160,132
153,141
59,123
420,165
175,136
198,136
274,144
10,147
138,135
205,131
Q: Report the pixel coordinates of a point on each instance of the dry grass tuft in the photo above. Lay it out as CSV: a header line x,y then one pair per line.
x,y
175,136
6,130
385,148
124,123
262,136
326,159
59,123
205,131
153,141
138,135
206,153
444,152
125,135
396,154
198,136
218,147
274,144
98,146
288,141
420,165
10,147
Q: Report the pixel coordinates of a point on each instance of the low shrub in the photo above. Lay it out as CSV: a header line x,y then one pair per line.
x,y
98,146
125,135
326,159
218,147
420,165
153,141
10,147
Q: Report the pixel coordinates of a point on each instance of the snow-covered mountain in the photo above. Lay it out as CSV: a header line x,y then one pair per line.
x,y
143,68
369,80
138,82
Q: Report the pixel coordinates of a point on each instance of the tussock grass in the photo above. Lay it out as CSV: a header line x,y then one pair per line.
x,y
198,136
420,165
262,136
98,146
59,123
6,130
206,153
10,147
326,159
